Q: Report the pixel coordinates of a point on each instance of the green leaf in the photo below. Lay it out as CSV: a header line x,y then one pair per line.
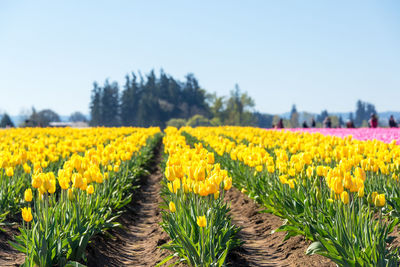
x,y
315,248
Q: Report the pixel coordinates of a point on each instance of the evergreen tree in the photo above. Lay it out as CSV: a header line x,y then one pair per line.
x,y
153,101
110,104
166,98
195,98
322,116
363,112
150,106
95,106
360,113
369,109
351,116
294,117
340,121
264,120
6,121
130,101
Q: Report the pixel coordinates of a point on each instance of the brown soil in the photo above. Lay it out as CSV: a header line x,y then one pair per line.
x,y
8,255
261,247
137,243
396,234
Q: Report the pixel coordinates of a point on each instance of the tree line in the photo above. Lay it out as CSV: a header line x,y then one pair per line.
x,y
163,100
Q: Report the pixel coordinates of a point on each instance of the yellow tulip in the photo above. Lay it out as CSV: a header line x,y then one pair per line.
x,y
36,181
169,173
291,183
70,194
361,191
116,168
27,168
201,221
176,185
371,198
27,214
10,171
28,195
227,183
52,187
172,206
170,187
344,197
271,169
90,189
380,200
77,180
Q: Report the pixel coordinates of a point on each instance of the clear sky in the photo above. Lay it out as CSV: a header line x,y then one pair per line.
x,y
316,54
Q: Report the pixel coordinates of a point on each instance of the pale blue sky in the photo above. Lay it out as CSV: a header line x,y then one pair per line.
x,y
317,54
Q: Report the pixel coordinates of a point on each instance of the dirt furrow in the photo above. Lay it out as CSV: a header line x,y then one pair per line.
x,y
8,255
136,244
261,248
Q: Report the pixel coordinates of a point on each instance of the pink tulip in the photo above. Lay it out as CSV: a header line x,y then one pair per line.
x,y
386,135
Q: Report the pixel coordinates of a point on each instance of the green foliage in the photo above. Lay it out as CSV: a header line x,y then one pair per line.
x,y
216,122
363,113
264,120
6,121
95,106
198,120
104,106
335,121
147,102
110,104
235,110
320,118
77,117
206,246
41,118
178,123
294,118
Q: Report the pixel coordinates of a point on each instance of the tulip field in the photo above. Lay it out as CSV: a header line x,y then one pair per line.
x,y
69,185
340,193
337,188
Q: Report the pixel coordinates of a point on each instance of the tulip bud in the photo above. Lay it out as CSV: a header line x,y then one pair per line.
x,y
28,195
71,194
172,206
345,197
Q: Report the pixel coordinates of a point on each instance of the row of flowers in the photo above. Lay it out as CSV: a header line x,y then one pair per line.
x,y
341,193
82,193
197,219
41,152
